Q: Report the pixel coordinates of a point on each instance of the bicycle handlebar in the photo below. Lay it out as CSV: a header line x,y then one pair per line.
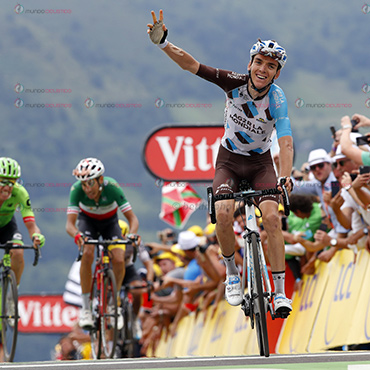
x,y
244,195
104,243
9,245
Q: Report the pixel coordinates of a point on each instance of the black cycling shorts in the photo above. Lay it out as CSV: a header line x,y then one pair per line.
x,y
10,232
93,228
231,169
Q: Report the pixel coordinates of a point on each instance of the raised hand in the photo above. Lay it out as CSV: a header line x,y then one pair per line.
x,y
157,31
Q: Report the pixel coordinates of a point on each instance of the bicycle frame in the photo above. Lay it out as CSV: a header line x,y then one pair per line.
x,y
258,299
248,260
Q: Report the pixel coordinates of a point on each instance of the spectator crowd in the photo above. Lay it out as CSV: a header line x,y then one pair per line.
x,y
330,205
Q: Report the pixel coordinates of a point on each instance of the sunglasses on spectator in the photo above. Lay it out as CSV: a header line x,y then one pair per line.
x,y
341,163
319,165
7,183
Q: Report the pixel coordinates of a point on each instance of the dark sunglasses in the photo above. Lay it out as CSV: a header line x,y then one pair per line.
x,y
89,183
341,163
7,183
273,54
319,165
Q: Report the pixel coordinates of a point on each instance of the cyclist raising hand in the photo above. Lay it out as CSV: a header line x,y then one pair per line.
x,y
13,196
94,202
255,108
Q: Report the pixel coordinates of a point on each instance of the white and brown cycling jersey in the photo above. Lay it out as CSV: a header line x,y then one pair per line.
x,y
249,123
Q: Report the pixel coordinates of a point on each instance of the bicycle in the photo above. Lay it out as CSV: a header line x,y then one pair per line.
x,y
9,300
257,302
127,340
103,298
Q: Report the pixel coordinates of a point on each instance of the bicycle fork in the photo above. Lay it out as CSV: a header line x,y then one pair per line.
x,y
248,266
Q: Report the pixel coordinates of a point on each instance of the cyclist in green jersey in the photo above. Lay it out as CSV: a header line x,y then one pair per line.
x,y
14,196
93,203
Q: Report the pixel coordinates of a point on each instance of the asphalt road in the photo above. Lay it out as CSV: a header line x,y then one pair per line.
x,y
328,360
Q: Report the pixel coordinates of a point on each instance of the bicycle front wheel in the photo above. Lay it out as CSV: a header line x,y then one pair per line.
x,y
108,330
259,299
9,315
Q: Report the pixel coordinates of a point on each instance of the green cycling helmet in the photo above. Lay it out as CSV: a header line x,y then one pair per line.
x,y
9,168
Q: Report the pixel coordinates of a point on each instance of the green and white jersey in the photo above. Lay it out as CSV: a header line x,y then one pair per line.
x,y
111,199
19,200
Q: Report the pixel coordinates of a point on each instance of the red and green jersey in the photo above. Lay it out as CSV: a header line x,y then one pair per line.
x,y
19,200
111,199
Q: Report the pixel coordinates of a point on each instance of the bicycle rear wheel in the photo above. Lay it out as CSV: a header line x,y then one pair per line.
x,y
128,330
108,331
9,315
260,306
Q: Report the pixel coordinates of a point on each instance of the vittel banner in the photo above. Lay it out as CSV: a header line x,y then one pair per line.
x,y
45,314
183,152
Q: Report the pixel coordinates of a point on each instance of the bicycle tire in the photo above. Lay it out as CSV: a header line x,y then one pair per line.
x,y
94,338
9,319
128,331
259,300
108,330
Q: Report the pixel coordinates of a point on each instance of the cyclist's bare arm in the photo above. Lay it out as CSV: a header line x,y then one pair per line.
x,y
179,56
132,221
71,224
72,229
32,228
286,158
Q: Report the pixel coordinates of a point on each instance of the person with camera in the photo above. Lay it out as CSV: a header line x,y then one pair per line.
x,y
360,153
346,206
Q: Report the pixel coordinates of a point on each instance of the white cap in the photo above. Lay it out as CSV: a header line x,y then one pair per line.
x,y
318,156
187,240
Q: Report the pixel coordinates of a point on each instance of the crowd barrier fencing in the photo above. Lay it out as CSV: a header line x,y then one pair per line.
x,y
331,310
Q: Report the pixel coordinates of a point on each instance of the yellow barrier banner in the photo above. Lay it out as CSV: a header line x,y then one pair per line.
x,y
335,316
296,332
359,331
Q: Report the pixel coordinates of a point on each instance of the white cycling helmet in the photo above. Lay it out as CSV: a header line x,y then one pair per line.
x,y
88,168
271,49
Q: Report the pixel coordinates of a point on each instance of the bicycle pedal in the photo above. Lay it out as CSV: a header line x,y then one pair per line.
x,y
282,315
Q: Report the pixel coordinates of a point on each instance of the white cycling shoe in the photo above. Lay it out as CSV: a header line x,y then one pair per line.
x,y
282,305
233,290
86,320
119,316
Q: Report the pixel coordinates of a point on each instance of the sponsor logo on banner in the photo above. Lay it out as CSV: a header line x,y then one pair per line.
x,y
183,153
45,314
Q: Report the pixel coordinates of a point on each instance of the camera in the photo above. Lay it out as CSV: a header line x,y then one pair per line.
x,y
364,169
362,140
335,187
332,129
202,248
354,123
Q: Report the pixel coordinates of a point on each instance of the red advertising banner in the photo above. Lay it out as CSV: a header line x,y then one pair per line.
x,y
45,314
183,152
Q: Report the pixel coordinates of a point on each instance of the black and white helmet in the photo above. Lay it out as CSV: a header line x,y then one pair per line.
x,y
88,168
271,49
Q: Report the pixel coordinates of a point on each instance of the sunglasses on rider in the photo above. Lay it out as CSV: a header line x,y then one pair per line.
x,y
10,183
319,165
273,54
341,163
90,183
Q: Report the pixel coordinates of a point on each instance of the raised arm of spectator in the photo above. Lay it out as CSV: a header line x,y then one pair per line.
x,y
358,185
348,149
